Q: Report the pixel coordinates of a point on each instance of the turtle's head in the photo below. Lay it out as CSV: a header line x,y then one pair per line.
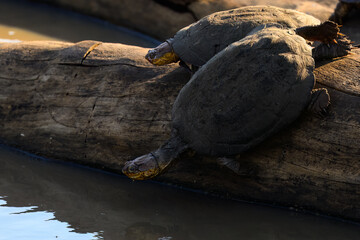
x,y
142,168
162,54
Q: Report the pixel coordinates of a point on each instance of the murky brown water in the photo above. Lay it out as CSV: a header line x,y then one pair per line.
x,y
14,34
23,20
42,200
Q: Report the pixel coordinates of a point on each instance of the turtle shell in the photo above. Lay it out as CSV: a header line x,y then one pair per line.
x,y
245,93
198,42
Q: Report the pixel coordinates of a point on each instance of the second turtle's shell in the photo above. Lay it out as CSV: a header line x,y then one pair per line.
x,y
247,92
197,43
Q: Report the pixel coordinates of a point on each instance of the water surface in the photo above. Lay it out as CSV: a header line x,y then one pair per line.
x,y
23,20
43,199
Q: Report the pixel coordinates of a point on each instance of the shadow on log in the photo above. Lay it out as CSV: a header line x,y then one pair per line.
x,y
101,104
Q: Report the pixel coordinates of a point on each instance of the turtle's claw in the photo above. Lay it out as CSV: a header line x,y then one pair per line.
x,y
324,112
320,101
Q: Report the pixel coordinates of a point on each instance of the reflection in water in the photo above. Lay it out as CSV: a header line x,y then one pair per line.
x,y
9,40
28,223
14,34
44,22
53,199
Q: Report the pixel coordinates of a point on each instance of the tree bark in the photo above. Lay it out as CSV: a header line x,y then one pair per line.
x,y
101,104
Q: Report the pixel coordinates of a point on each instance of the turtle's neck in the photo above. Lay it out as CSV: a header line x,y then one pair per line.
x,y
170,150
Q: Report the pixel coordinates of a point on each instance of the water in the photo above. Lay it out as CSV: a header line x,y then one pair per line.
x,y
50,200
21,20
44,200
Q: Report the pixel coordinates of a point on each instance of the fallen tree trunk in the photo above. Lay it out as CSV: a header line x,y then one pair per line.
x,y
102,104
94,102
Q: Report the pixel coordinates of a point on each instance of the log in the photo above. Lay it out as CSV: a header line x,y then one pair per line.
x,y
96,102
101,104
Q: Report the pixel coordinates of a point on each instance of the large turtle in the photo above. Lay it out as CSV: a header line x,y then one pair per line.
x,y
343,8
244,92
198,42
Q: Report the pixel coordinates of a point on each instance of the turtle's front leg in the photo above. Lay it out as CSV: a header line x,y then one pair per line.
x,y
326,32
333,43
319,102
341,10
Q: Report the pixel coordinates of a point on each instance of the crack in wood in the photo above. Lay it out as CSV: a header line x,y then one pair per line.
x,y
21,79
89,51
50,114
102,65
339,89
77,65
35,60
345,124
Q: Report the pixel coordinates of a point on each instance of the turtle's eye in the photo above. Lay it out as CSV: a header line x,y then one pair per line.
x,y
132,168
151,54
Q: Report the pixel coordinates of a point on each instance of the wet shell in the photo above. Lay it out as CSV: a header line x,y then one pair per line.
x,y
247,92
199,42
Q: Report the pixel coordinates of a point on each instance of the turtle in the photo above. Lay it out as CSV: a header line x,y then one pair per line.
x,y
195,44
243,92
343,8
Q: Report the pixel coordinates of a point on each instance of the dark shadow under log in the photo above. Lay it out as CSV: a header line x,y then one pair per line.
x,y
102,104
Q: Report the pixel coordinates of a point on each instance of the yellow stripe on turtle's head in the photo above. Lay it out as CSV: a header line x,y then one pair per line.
x,y
162,55
167,58
143,167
